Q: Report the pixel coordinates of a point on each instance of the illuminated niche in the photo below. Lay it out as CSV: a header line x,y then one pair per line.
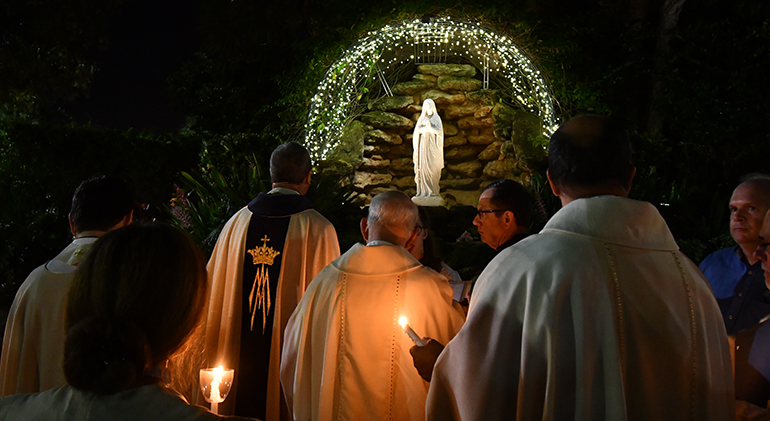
x,y
377,60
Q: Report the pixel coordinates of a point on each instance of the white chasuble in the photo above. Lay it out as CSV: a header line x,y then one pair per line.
x,y
345,355
598,317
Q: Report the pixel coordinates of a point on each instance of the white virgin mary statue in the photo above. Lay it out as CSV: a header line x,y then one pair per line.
x,y
428,156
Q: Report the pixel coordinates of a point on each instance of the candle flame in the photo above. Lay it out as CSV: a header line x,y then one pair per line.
x,y
402,321
215,395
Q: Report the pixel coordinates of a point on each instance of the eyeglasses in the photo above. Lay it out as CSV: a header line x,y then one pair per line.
x,y
418,229
481,213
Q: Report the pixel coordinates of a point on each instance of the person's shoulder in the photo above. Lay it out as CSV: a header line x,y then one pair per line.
x,y
532,248
427,276
34,405
724,257
41,281
725,253
243,214
166,403
314,215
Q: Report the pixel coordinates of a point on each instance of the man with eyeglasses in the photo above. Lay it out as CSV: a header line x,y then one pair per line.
x,y
503,214
752,345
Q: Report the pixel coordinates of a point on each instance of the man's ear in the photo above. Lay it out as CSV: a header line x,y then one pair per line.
x,y
411,242
631,170
72,225
365,229
509,218
554,188
307,177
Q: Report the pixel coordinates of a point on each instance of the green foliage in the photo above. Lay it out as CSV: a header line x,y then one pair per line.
x,y
228,179
48,52
597,57
207,198
41,165
332,199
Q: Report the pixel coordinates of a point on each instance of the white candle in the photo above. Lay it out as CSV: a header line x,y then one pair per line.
x,y
215,384
410,332
216,398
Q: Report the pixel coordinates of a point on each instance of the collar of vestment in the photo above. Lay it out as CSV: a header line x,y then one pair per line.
x,y
279,204
615,220
71,256
380,260
379,243
283,190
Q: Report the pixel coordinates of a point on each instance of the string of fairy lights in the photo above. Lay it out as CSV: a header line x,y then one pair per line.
x,y
339,94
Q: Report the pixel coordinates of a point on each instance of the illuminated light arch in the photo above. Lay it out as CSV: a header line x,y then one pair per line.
x,y
380,53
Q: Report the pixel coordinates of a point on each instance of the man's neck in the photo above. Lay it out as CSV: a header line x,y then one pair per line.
x,y
748,252
93,233
299,188
516,234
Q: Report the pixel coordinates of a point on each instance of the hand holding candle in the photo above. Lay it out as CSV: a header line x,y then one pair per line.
x,y
409,331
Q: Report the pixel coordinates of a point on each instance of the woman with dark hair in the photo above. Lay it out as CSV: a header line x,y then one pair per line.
x,y
134,306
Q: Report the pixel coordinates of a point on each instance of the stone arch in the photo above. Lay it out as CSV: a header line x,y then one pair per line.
x,y
465,67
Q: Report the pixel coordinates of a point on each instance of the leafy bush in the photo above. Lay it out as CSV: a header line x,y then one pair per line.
x,y
228,179
40,167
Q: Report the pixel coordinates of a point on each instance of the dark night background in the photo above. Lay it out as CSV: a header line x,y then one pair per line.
x,y
148,89
147,42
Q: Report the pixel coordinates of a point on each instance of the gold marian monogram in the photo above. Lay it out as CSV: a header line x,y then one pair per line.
x,y
260,291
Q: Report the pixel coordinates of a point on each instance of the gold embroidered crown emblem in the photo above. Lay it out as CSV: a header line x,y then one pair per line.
x,y
264,255
260,290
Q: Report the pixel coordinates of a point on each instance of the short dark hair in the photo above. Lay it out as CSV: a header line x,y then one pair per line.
x,y
100,202
512,196
289,163
590,150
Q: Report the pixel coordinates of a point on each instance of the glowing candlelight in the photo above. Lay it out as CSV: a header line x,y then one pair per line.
x,y
409,331
216,383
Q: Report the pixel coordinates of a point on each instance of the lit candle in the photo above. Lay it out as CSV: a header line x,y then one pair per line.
x,y
215,384
216,398
409,331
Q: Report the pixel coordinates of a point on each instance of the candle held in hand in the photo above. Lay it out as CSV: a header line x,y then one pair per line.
x,y
409,331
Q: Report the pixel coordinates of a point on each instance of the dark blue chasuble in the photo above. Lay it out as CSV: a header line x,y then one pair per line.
x,y
265,240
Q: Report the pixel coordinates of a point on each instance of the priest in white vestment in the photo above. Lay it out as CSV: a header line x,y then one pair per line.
x,y
33,344
600,316
345,355
264,259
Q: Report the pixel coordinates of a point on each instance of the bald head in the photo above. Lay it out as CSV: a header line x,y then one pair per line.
x,y
392,218
760,184
590,153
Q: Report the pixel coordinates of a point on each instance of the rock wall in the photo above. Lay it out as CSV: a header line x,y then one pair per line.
x,y
484,139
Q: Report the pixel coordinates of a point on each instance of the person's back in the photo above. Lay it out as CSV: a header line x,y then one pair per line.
x,y
134,304
597,317
345,355
264,259
33,344
151,402
611,328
